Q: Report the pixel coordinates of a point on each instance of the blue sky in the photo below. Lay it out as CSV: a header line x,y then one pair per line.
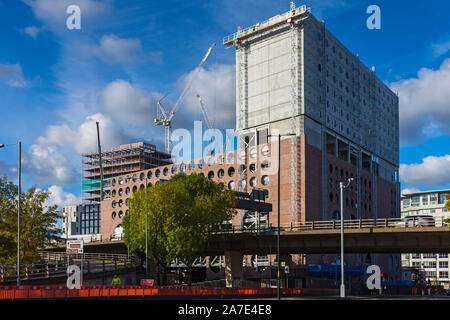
x,y
55,83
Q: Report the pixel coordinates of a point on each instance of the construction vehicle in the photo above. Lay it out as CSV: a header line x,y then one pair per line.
x,y
165,119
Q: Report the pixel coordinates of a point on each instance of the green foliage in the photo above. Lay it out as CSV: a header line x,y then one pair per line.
x,y
181,214
447,205
37,223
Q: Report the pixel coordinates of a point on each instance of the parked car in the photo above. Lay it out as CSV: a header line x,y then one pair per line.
x,y
416,221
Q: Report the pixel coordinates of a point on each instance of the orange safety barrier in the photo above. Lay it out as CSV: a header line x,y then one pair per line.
x,y
94,291
35,292
74,293
7,292
83,291
139,291
123,291
104,292
48,292
113,291
20,292
61,292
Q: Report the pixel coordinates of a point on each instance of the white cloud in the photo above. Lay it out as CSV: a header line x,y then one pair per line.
x,y
12,75
217,87
84,137
61,198
32,31
440,48
48,166
113,49
424,104
432,171
127,103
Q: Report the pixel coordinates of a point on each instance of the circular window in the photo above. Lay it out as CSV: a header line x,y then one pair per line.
x,y
252,167
113,204
157,173
134,189
174,169
191,165
253,182
149,185
231,185
113,194
120,203
265,151
127,190
210,175
253,153
201,164
127,179
241,168
265,180
134,177
149,175
113,215
127,202
231,171
264,165
142,186
165,171
120,215
211,161
113,182
142,176
220,160
120,180
230,158
120,192
220,173
182,167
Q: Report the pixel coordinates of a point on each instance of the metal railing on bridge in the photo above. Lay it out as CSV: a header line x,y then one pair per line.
x,y
54,264
409,222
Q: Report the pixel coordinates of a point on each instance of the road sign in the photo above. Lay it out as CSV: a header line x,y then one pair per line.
x,y
74,246
286,269
147,282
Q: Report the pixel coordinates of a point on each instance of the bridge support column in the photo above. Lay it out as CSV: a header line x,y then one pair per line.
x,y
233,268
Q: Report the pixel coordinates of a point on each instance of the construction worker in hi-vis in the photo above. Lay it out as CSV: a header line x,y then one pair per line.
x,y
116,281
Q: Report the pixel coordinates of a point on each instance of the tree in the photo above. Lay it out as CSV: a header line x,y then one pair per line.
x,y
37,223
182,213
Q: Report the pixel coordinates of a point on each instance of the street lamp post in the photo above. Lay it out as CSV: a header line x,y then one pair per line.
x,y
342,187
18,203
278,209
146,232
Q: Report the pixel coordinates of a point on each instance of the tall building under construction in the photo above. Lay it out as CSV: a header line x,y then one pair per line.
x,y
124,159
294,76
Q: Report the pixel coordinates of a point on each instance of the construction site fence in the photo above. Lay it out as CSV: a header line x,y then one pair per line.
x,y
58,292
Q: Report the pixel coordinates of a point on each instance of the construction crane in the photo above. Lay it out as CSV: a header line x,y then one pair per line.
x,y
202,105
165,119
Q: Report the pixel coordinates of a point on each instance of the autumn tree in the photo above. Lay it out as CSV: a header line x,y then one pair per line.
x,y
38,223
182,213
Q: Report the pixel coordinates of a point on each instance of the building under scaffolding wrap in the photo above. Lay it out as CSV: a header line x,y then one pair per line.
x,y
127,158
